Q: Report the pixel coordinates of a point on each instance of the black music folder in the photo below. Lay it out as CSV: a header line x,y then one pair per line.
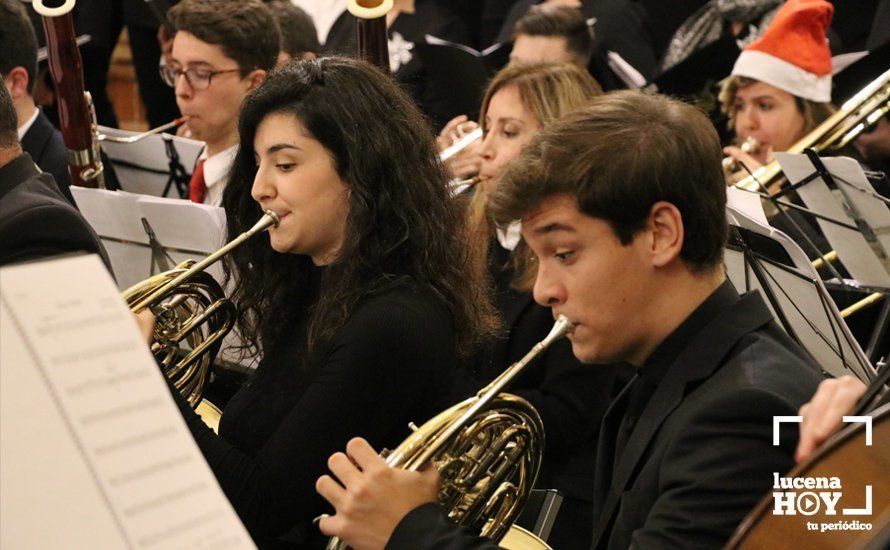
x,y
459,72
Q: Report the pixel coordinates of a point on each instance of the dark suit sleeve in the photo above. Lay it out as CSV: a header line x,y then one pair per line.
x,y
714,474
427,527
45,230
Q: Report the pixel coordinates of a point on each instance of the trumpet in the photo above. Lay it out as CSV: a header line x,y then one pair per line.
x,y
856,115
183,300
488,451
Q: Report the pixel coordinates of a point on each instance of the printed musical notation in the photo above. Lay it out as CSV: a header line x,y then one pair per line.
x,y
93,450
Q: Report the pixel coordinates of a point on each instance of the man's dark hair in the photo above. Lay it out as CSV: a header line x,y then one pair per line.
x,y
298,33
9,122
246,30
18,43
556,21
620,155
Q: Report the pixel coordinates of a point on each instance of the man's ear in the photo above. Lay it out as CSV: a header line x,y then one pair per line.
x,y
256,77
665,228
17,82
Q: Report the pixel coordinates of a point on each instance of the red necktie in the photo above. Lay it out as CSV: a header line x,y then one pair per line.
x,y
197,186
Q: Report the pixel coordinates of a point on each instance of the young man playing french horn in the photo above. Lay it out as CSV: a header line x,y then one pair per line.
x,y
623,206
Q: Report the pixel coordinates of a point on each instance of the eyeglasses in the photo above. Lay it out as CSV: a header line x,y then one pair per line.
x,y
198,79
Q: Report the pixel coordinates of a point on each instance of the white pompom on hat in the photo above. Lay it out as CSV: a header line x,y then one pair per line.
x,y
793,53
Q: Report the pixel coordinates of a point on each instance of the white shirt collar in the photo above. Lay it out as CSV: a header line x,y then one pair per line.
x,y
216,172
324,13
510,236
23,129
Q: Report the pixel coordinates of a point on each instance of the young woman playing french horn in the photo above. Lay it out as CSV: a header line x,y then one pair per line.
x,y
358,301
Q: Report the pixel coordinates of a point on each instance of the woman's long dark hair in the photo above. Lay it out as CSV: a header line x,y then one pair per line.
x,y
401,225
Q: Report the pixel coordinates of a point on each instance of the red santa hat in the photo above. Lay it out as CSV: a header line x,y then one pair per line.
x,y
793,53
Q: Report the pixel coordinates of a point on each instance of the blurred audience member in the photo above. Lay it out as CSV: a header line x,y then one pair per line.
x,y
299,39
556,33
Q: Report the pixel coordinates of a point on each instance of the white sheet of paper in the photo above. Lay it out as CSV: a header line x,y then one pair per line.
x,y
184,224
747,202
115,216
844,60
873,211
94,452
177,224
112,214
625,71
851,247
150,153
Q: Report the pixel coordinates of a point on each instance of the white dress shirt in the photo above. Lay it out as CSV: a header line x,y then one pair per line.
x,y
216,172
23,129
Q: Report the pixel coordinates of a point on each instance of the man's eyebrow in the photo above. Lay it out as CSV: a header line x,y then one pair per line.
x,y
553,227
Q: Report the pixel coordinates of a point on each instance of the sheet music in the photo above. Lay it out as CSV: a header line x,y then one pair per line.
x,y
150,154
94,452
853,250
184,224
112,214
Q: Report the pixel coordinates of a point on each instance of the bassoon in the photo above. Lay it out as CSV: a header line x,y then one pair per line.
x,y
77,117
370,30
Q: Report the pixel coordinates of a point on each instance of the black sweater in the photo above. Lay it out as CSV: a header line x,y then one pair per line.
x,y
390,364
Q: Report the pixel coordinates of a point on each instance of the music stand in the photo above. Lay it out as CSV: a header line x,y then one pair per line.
x,y
862,241
759,257
156,165
837,187
138,230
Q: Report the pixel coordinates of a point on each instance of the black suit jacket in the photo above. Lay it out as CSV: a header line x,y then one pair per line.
x,y
35,219
701,455
44,143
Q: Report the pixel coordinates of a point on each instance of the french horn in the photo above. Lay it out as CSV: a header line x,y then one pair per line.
x,y
193,315
488,450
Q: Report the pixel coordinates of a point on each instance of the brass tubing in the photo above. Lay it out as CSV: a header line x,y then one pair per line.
x,y
862,304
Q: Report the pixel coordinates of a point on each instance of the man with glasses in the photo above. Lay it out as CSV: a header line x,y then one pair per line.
x,y
222,50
